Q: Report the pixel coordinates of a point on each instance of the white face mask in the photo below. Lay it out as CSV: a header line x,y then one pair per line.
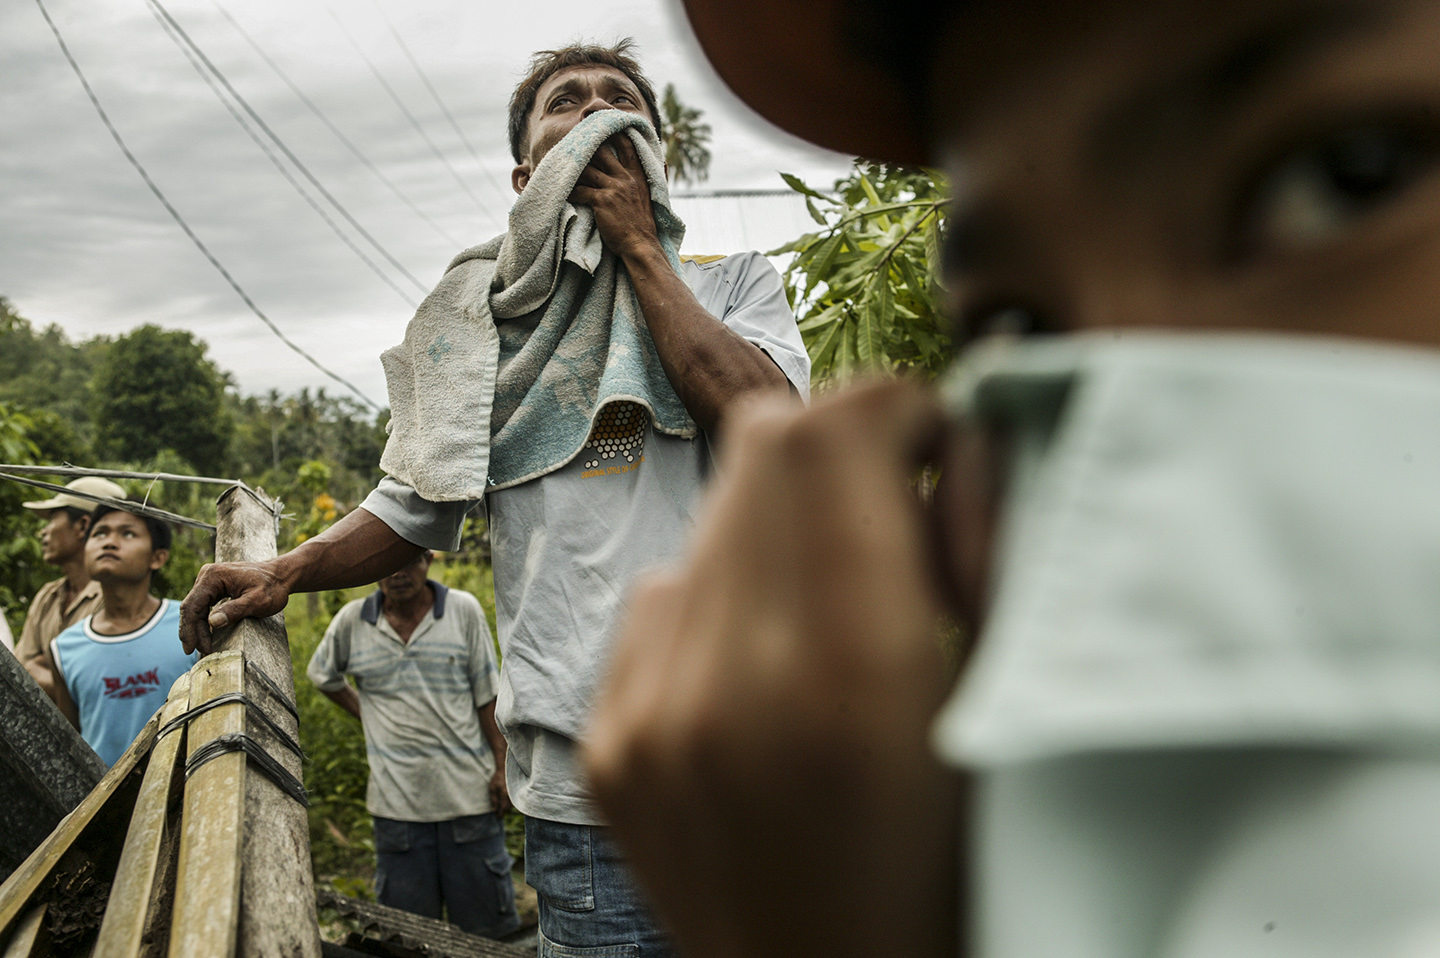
x,y
1207,540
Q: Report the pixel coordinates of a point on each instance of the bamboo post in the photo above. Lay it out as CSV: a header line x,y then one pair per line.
x,y
30,940
207,881
277,899
128,915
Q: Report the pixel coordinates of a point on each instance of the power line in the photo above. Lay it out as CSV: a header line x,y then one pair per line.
x,y
180,220
275,161
435,95
375,72
349,145
289,154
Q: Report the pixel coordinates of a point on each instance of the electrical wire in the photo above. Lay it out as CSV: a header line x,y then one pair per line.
x,y
380,78
435,95
289,154
275,161
339,135
180,220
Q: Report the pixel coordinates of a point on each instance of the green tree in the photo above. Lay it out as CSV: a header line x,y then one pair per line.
x,y
866,285
155,390
21,570
687,157
50,376
277,435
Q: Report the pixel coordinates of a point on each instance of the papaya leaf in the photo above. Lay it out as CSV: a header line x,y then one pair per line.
x,y
798,185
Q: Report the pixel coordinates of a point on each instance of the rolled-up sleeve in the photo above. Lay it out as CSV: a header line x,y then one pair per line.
x,y
755,307
433,525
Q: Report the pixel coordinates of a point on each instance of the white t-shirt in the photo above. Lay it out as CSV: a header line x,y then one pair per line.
x,y
566,546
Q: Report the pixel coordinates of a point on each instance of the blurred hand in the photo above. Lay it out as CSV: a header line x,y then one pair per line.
x,y
224,594
499,792
761,746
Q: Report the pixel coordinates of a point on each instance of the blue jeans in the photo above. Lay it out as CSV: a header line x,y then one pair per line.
x,y
460,864
589,907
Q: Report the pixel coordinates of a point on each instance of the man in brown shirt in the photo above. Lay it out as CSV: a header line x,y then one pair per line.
x,y
60,604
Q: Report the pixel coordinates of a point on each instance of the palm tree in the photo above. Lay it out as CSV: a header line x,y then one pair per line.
x,y
686,153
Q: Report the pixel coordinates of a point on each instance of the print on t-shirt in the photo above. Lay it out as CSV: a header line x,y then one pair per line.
x,y
132,687
617,441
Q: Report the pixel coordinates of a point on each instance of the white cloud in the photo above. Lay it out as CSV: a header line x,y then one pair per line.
x,y
83,244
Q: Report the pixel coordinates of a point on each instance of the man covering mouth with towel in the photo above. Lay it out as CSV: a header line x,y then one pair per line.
x,y
568,378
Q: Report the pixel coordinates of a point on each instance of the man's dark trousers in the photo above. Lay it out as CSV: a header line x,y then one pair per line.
x,y
461,864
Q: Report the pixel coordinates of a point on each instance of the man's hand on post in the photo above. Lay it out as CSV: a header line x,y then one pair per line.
x,y
763,734
357,550
226,593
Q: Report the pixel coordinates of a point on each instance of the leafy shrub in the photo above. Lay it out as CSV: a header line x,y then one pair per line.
x,y
342,845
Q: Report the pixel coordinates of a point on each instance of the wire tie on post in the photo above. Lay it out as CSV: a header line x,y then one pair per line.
x,y
231,742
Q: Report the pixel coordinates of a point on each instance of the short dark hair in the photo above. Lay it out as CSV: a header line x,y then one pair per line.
x,y
547,63
75,514
160,535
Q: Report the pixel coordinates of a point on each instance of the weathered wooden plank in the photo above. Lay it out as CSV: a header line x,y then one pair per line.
x,y
18,889
30,939
437,939
46,768
207,899
155,940
127,913
277,915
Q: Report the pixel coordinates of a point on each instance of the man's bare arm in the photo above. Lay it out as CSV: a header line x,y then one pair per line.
x,y
710,365
42,670
357,550
499,793
346,698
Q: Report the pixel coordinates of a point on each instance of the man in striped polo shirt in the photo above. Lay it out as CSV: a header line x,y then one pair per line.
x,y
423,666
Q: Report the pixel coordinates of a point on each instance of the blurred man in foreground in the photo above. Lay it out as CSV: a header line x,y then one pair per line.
x,y
70,598
1188,505
424,674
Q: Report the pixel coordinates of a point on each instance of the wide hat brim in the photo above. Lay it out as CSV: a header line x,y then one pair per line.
x,y
789,61
89,487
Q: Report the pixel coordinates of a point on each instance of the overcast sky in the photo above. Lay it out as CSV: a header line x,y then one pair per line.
x,y
85,245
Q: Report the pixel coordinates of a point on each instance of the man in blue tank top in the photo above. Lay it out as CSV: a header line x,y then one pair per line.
x,y
116,667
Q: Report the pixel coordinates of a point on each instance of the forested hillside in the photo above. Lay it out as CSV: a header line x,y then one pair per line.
x,y
151,400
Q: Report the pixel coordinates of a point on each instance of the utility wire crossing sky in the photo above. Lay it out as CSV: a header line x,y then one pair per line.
x,y
386,118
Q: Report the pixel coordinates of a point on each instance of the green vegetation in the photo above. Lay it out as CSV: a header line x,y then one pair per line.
x,y
23,572
866,285
687,155
154,390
